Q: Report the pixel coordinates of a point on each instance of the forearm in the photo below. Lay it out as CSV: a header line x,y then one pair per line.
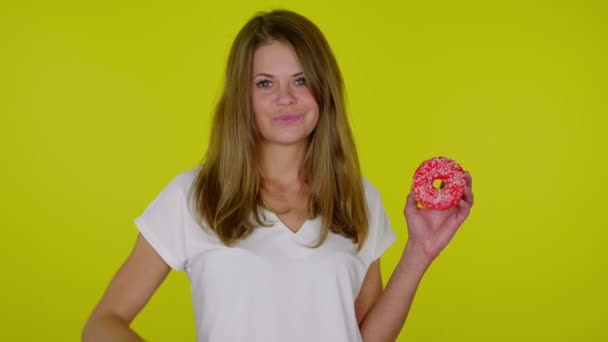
x,y
386,318
108,328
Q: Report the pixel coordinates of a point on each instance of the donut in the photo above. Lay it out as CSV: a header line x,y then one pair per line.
x,y
452,183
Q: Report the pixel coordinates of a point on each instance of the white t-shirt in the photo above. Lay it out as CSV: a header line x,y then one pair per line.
x,y
269,287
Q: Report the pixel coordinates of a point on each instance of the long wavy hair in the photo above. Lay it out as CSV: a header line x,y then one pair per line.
x,y
227,189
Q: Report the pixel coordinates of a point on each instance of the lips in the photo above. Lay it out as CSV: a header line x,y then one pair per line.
x,y
288,118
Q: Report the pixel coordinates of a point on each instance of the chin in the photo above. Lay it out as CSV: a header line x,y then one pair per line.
x,y
294,135
288,141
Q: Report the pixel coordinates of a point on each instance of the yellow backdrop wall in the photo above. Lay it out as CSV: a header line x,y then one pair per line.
x,y
102,104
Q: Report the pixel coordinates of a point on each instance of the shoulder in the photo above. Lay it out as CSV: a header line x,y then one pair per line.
x,y
380,235
177,191
371,192
183,181
187,177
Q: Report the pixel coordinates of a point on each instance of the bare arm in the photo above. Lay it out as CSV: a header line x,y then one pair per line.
x,y
371,290
387,315
129,291
429,231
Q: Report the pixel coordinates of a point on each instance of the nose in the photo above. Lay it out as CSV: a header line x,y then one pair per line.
x,y
285,96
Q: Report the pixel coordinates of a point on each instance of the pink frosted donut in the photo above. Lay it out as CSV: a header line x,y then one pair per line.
x,y
452,185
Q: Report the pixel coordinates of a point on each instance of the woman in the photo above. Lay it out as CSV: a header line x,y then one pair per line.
x,y
278,231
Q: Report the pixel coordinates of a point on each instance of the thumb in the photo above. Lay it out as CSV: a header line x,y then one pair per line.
x,y
411,205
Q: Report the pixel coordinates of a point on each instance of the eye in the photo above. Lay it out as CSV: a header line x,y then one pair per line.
x,y
263,84
301,81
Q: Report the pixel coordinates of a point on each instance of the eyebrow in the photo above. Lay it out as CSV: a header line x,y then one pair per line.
x,y
271,76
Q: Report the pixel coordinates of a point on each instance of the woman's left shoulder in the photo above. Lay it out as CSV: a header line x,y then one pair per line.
x,y
370,190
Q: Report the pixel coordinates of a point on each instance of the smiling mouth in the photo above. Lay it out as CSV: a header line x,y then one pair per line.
x,y
287,118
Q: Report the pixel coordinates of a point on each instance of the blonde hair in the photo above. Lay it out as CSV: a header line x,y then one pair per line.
x,y
227,189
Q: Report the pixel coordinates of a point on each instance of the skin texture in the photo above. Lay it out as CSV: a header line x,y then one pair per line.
x,y
129,291
279,87
429,232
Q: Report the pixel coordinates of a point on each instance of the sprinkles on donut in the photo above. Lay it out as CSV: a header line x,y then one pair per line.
x,y
439,183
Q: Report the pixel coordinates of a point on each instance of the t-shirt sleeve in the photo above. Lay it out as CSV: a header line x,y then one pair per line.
x,y
162,224
381,235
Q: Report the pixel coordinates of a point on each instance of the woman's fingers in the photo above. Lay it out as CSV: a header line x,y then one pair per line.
x,y
411,206
468,190
464,208
469,179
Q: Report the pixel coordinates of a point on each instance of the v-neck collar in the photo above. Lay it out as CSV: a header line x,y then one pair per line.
x,y
307,233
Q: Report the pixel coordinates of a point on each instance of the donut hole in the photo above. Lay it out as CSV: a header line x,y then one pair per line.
x,y
438,183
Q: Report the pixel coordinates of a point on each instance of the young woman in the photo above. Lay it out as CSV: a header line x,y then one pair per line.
x,y
279,233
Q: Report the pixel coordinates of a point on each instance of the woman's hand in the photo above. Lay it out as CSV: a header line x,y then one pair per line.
x,y
430,230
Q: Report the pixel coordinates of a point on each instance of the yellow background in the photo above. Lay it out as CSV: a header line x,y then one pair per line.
x,y
102,104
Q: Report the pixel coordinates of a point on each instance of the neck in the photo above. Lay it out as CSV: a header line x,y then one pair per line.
x,y
282,164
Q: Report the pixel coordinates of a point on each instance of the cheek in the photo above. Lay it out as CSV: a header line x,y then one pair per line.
x,y
255,103
314,108
258,117
261,112
261,104
309,99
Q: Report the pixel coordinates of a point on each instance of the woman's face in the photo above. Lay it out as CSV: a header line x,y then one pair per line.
x,y
284,107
